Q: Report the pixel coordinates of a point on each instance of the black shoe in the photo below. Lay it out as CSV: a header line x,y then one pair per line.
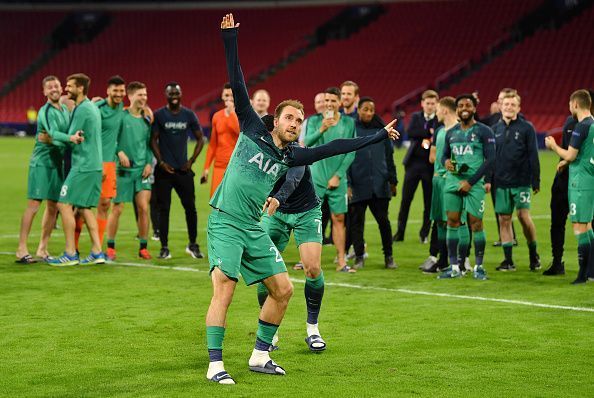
x,y
497,243
389,262
579,281
423,240
506,267
359,262
427,263
194,250
398,237
156,236
555,269
433,269
515,242
535,264
164,254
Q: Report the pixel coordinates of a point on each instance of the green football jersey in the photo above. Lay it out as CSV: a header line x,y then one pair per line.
x,y
86,156
255,166
467,148
111,119
50,118
581,170
134,136
324,170
439,143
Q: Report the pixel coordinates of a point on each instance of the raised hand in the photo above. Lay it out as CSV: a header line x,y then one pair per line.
x,y
228,22
392,132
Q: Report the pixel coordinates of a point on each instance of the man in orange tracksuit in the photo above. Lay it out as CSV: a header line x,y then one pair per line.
x,y
223,136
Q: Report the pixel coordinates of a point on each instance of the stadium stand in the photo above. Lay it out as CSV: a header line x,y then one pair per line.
x,y
407,48
545,68
188,52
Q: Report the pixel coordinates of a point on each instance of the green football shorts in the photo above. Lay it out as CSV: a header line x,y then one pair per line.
x,y
472,203
337,198
237,247
307,227
44,183
438,212
128,183
581,205
506,199
82,189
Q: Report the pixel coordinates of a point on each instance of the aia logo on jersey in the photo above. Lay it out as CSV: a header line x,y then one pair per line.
x,y
462,150
265,166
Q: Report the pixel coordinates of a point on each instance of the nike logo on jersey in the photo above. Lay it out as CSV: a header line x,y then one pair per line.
x,y
265,166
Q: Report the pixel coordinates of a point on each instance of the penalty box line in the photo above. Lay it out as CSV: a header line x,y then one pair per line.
x,y
375,288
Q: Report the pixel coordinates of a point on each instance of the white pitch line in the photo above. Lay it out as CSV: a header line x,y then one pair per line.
x,y
368,222
376,288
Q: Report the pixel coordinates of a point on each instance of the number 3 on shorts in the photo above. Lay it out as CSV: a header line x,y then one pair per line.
x,y
482,209
279,258
572,209
64,190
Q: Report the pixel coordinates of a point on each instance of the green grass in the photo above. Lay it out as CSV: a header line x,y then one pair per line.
x,y
119,330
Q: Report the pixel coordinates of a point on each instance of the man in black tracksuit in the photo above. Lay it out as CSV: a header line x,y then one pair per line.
x,y
417,166
372,183
517,173
560,206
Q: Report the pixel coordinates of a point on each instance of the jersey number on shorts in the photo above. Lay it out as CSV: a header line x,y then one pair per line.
x,y
482,209
64,190
572,209
524,197
279,258
319,222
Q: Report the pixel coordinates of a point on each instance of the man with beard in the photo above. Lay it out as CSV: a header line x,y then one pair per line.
x,y
237,244
173,124
45,172
82,187
469,153
580,157
134,167
112,111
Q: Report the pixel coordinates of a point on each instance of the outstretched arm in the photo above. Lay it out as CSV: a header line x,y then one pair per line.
x,y
302,156
250,122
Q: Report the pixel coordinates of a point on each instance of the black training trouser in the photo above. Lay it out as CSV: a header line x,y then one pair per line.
x,y
413,175
559,212
183,183
379,209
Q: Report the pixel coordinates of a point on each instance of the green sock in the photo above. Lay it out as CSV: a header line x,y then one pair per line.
x,y
314,292
262,293
532,250
266,331
214,337
464,235
143,244
507,251
480,242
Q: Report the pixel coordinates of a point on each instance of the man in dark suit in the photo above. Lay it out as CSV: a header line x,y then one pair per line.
x,y
416,164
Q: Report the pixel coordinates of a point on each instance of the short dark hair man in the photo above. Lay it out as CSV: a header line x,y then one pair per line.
x,y
173,123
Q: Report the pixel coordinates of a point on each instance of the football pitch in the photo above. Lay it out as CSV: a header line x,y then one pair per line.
x,y
136,328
